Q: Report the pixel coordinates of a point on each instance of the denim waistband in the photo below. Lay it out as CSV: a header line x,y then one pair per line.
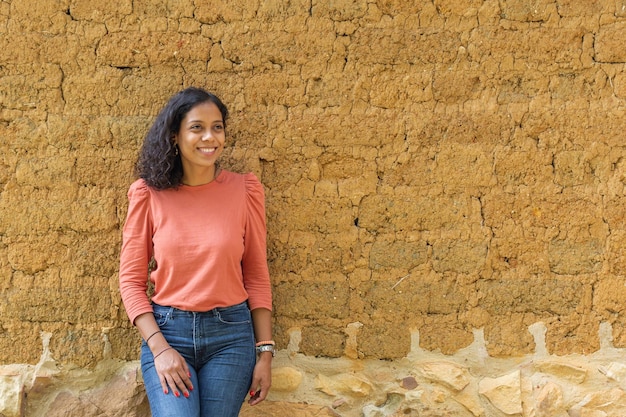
x,y
211,313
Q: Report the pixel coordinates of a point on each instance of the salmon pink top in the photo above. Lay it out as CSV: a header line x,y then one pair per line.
x,y
208,243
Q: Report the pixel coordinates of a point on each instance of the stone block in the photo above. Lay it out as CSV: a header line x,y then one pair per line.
x,y
460,256
449,374
127,49
530,295
457,336
540,47
335,385
504,392
11,392
49,16
608,295
573,373
616,240
607,402
606,43
403,46
315,300
406,209
573,258
389,341
574,333
549,400
528,10
456,86
278,408
322,341
509,336
286,379
577,8
397,254
464,166
19,342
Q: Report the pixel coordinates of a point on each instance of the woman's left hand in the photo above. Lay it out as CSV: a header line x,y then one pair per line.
x,y
261,378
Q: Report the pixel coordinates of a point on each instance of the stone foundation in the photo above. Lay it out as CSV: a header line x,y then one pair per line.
x,y
469,383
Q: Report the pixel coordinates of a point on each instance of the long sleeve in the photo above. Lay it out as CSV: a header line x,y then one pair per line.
x,y
254,261
136,251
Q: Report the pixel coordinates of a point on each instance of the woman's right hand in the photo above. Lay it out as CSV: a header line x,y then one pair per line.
x,y
170,365
173,372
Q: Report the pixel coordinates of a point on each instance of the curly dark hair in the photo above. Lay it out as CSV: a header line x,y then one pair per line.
x,y
158,164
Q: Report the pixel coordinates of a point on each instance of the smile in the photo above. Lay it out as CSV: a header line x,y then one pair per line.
x,y
207,150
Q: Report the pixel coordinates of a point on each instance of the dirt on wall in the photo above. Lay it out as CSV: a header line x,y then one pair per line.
x,y
433,166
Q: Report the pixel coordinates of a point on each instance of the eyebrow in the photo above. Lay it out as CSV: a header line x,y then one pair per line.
x,y
202,121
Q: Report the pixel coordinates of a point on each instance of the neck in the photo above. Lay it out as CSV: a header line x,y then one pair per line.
x,y
200,178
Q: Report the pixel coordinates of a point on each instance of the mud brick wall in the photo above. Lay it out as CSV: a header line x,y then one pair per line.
x,y
430,166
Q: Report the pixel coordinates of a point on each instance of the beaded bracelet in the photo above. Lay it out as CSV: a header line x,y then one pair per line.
x,y
265,342
149,337
157,355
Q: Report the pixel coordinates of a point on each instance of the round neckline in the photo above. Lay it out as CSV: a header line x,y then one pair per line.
x,y
213,181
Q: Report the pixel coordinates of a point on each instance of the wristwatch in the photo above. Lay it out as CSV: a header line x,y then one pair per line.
x,y
266,348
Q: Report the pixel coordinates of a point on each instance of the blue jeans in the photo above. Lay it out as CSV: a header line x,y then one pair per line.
x,y
218,346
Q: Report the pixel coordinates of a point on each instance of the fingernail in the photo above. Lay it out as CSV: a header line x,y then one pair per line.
x,y
176,394
165,391
186,394
191,388
252,393
189,374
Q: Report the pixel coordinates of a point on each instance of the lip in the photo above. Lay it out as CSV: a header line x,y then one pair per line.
x,y
207,150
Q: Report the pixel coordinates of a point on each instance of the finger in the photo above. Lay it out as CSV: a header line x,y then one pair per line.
x,y
181,378
262,394
174,383
183,385
163,384
258,396
186,377
256,383
173,386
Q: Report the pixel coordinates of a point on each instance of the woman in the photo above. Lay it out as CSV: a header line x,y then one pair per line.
x,y
198,232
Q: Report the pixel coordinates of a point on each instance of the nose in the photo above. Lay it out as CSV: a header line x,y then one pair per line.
x,y
206,136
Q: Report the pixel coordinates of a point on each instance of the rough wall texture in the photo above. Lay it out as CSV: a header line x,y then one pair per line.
x,y
434,170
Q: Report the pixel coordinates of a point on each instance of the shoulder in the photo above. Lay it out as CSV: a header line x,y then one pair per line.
x,y
248,180
138,190
253,185
250,183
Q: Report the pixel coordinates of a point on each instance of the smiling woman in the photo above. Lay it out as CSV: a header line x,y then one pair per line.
x,y
203,230
160,164
200,142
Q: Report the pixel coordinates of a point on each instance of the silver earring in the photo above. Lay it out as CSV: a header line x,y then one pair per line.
x,y
176,150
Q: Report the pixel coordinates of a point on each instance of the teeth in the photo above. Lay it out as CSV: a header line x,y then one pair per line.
x,y
207,150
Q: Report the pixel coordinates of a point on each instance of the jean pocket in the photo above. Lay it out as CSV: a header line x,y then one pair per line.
x,y
161,314
234,315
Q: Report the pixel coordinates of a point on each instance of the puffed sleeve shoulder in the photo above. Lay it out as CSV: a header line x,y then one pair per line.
x,y
138,190
136,251
255,194
254,262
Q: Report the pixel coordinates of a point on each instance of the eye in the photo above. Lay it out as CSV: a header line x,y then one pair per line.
x,y
218,127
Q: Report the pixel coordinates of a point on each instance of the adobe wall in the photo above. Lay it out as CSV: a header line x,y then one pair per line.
x,y
445,197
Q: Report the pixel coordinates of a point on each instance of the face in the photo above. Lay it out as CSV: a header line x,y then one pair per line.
x,y
200,141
